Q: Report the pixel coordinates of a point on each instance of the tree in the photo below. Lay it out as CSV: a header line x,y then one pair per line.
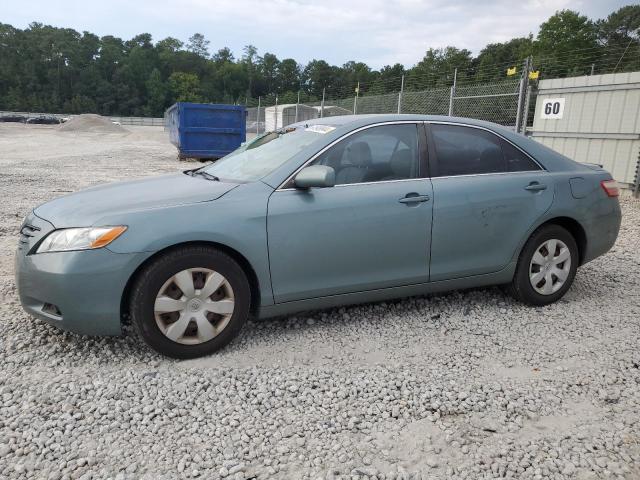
x,y
269,66
232,81
156,94
169,44
288,76
184,87
199,45
437,67
567,44
248,59
354,72
45,68
389,79
80,104
144,40
318,75
111,54
223,55
495,58
620,34
620,26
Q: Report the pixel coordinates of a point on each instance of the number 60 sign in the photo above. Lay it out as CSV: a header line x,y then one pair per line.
x,y
552,108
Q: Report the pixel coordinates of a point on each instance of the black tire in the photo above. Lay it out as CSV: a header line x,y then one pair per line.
x,y
150,280
520,287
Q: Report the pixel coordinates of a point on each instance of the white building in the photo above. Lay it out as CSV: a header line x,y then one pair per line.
x,y
280,116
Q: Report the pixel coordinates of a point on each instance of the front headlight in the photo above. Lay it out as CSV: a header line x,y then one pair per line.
x,y
80,238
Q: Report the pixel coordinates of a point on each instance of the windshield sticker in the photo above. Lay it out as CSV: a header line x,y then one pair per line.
x,y
320,129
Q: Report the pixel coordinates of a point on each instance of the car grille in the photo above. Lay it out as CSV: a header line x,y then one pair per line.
x,y
28,231
31,232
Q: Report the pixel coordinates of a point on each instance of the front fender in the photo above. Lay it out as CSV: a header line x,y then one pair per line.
x,y
237,220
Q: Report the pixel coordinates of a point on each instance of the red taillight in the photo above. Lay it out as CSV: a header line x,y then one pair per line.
x,y
611,188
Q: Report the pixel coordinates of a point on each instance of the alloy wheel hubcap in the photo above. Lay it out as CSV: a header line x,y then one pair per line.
x,y
194,306
550,266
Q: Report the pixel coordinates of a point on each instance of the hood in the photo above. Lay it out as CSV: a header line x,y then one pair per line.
x,y
85,207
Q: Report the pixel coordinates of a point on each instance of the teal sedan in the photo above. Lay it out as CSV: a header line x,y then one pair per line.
x,y
323,213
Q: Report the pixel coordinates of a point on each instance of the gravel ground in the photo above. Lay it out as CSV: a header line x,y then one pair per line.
x,y
463,385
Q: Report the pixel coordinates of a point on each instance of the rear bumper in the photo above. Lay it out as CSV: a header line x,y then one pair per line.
x,y
602,230
85,287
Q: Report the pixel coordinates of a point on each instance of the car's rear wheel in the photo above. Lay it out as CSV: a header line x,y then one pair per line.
x,y
190,301
546,267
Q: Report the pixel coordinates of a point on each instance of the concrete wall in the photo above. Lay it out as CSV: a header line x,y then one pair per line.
x,y
145,121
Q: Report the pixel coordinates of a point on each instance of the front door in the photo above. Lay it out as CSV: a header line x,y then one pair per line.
x,y
372,230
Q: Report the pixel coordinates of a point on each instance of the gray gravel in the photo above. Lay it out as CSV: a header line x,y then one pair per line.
x,y
463,385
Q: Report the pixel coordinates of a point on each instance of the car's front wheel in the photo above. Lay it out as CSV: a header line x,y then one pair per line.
x,y
546,267
190,301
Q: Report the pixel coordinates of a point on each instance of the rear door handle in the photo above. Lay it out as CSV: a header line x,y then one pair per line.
x,y
414,198
535,187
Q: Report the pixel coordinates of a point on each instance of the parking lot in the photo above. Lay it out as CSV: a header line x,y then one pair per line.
x,y
462,385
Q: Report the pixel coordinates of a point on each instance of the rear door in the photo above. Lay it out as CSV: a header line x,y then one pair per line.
x,y
487,194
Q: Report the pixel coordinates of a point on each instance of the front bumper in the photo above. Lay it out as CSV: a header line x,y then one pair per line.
x,y
85,287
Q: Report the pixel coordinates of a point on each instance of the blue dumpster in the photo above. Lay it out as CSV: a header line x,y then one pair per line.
x,y
205,130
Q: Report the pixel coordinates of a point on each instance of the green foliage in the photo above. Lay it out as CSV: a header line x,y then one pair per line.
x,y
48,69
184,87
495,58
156,94
568,40
199,45
437,67
621,30
318,75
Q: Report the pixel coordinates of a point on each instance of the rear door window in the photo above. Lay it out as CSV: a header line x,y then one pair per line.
x,y
464,150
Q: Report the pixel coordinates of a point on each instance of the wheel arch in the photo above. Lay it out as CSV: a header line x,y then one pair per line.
x,y
575,229
248,269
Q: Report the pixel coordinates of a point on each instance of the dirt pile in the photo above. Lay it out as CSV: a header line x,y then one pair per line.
x,y
90,122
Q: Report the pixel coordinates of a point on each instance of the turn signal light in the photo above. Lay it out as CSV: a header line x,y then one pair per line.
x,y
108,237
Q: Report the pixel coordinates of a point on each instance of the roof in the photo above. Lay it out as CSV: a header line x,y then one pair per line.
x,y
282,106
344,123
362,120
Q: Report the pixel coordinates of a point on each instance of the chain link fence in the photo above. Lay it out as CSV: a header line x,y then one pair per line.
x,y
501,102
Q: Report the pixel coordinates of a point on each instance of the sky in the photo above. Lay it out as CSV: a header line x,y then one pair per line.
x,y
378,32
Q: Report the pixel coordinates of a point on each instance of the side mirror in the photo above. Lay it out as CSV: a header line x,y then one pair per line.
x,y
318,176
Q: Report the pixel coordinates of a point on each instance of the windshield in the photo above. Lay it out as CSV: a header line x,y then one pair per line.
x,y
262,155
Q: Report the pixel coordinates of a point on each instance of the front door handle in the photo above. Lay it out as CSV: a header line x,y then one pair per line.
x,y
535,187
414,198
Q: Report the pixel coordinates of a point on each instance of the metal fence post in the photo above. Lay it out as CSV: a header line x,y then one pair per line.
x,y
452,93
636,180
519,107
525,113
355,100
258,118
275,115
322,105
297,104
521,92
400,94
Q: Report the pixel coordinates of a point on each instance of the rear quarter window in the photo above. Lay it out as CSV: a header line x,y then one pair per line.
x,y
516,160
